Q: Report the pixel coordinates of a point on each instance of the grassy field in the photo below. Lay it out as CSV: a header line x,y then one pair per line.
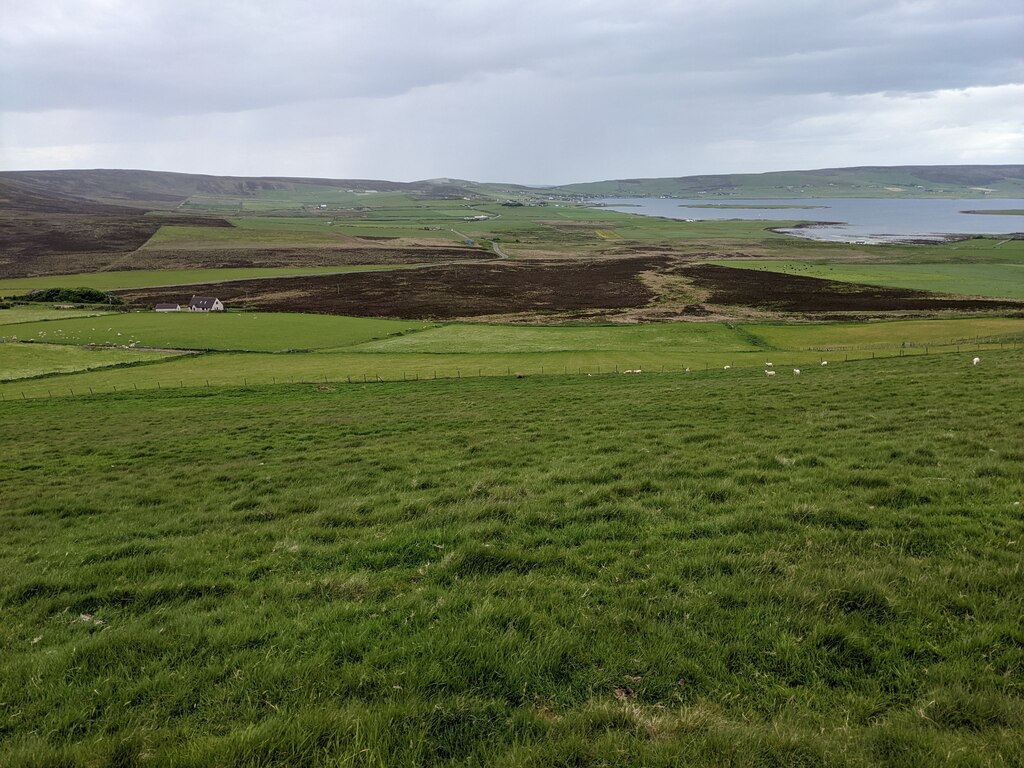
x,y
145,278
356,350
29,314
1002,280
808,571
221,330
18,361
901,333
662,339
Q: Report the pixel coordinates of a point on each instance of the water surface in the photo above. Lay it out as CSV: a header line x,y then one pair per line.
x,y
859,220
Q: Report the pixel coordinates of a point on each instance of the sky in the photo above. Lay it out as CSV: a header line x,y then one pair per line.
x,y
529,91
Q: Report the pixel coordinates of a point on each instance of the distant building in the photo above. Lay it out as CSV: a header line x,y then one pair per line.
x,y
168,307
205,304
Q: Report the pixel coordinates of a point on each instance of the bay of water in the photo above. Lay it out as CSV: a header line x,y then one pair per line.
x,y
863,220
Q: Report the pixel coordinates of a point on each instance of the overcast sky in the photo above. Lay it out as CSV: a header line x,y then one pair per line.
x,y
529,91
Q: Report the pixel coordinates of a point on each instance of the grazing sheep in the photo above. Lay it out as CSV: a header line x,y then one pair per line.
x,y
796,371
726,368
824,362
975,361
769,373
769,365
687,370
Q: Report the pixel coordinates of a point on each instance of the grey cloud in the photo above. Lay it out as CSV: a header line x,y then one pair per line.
x,y
522,90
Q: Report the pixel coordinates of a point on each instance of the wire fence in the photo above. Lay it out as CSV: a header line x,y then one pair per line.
x,y
782,363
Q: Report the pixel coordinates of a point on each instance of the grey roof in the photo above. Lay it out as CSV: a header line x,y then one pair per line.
x,y
203,302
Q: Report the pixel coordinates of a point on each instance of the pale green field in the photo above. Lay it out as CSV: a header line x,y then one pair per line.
x,y
342,367
661,338
270,332
995,280
27,314
20,360
112,281
255,231
890,333
461,350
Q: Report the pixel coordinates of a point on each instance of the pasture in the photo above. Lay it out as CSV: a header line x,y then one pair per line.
x,y
219,330
151,278
254,348
19,361
27,313
807,571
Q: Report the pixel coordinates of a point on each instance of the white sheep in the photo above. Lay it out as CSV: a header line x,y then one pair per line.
x,y
769,365
769,373
726,368
975,361
824,362
796,371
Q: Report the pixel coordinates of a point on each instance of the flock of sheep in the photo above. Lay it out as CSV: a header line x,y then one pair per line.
x,y
769,368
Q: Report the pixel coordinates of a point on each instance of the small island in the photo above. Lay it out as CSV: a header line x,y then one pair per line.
x,y
999,212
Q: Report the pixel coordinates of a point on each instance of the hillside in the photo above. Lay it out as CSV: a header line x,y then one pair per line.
x,y
869,181
82,190
49,190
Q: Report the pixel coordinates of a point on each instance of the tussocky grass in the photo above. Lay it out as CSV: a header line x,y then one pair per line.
x,y
619,570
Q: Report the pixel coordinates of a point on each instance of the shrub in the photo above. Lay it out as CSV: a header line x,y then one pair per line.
x,y
72,295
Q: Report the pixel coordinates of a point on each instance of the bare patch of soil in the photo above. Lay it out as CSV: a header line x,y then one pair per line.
x,y
442,292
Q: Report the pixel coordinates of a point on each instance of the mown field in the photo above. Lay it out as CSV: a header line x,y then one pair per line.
x,y
616,570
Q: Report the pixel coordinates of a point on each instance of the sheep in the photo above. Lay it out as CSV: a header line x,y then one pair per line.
x,y
824,362
769,365
726,368
769,373
796,371
975,361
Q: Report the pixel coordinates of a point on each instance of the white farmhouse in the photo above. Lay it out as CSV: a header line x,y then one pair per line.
x,y
205,304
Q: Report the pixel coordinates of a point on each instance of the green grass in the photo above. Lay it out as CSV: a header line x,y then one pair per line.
x,y
221,330
808,571
28,314
478,338
354,349
112,281
1001,280
256,232
893,333
18,361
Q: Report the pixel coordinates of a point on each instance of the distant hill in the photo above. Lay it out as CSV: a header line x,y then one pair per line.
x,y
868,181
115,191
76,190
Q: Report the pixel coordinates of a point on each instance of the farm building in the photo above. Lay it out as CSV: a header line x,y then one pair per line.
x,y
168,307
205,304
